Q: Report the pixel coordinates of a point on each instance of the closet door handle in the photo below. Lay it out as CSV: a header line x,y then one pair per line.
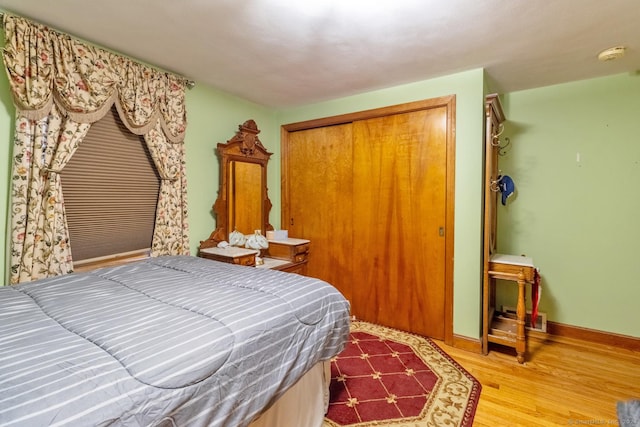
x,y
441,231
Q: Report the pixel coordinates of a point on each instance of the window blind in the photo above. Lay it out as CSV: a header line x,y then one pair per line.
x,y
110,188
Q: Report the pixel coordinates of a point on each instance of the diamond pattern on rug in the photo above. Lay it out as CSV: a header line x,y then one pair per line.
x,y
388,375
373,378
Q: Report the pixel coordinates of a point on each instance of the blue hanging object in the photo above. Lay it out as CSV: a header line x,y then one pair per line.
x,y
506,186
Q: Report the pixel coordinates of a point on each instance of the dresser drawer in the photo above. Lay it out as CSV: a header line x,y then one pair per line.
x,y
230,255
295,250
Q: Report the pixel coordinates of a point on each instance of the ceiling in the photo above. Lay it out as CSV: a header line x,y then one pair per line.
x,y
285,53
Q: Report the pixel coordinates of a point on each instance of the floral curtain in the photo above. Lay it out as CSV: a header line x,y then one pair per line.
x,y
39,229
171,217
60,86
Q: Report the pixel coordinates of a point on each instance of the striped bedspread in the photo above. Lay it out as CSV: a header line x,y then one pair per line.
x,y
170,341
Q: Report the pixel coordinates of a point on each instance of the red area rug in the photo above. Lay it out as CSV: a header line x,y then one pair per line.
x,y
386,377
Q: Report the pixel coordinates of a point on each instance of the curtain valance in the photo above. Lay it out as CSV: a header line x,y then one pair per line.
x,y
45,66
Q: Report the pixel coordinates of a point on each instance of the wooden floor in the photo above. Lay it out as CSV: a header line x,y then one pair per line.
x,y
563,382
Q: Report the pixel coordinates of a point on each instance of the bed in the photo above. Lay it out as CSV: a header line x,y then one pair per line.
x,y
168,341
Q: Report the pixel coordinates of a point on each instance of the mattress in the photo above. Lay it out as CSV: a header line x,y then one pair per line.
x,y
166,341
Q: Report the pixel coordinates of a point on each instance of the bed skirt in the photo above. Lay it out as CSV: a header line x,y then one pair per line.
x,y
304,404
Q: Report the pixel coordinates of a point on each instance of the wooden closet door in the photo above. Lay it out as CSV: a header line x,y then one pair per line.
x,y
373,191
399,196
318,200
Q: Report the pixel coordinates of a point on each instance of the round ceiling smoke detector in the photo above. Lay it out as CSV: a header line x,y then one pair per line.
x,y
611,53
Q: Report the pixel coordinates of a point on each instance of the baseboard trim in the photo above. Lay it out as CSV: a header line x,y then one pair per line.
x,y
466,343
562,330
593,335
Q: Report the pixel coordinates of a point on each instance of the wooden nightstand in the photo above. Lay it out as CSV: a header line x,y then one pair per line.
x,y
230,254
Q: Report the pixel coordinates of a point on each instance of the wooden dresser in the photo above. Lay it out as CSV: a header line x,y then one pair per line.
x,y
290,255
243,205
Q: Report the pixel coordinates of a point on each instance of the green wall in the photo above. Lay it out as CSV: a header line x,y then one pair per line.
x,y
575,160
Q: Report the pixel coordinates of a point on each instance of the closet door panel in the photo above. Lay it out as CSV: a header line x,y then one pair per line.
x,y
399,195
320,200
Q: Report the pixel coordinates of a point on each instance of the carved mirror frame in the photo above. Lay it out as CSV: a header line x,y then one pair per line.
x,y
244,147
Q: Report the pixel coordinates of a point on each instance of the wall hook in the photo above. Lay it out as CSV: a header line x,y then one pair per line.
x,y
502,149
494,185
496,138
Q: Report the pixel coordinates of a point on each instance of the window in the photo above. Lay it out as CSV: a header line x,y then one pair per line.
x,y
110,188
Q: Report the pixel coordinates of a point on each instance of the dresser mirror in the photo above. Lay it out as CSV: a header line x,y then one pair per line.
x,y
243,203
245,207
